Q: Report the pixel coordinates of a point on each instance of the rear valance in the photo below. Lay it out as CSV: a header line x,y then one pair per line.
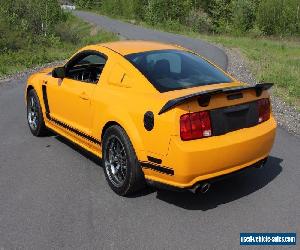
x,y
259,88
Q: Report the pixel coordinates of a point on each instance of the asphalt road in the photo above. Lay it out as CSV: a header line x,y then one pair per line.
x,y
54,196
129,31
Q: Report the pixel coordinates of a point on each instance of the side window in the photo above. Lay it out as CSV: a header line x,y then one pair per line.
x,y
171,59
86,67
92,59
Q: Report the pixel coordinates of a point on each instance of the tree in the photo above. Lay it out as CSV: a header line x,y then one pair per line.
x,y
279,17
243,14
220,12
165,10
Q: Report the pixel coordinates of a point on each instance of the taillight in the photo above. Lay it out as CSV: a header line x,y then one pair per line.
x,y
195,125
263,110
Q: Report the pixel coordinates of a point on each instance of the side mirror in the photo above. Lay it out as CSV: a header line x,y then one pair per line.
x,y
59,72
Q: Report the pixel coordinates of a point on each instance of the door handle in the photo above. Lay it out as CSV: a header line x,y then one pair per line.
x,y
84,96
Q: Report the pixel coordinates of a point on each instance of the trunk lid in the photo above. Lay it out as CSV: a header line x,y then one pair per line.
x,y
235,117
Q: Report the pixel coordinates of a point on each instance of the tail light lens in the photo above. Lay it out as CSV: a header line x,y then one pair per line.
x,y
195,126
263,110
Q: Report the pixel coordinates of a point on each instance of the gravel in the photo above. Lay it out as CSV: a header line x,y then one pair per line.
x,y
25,73
286,115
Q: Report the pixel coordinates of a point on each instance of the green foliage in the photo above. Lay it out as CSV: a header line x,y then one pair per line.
x,y
220,12
69,31
199,21
255,17
37,31
132,9
24,21
244,14
34,16
87,4
279,17
274,61
12,40
165,10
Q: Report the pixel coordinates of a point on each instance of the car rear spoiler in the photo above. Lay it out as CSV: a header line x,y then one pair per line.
x,y
206,95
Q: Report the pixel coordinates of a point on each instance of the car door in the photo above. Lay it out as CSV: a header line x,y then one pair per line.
x,y
70,98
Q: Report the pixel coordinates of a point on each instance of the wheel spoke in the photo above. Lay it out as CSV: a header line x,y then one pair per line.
x,y
33,113
116,162
32,102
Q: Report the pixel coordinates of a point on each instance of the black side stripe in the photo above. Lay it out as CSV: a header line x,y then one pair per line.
x,y
164,170
75,131
62,124
45,97
155,160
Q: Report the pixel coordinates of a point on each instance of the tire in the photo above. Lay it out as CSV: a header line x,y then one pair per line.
x,y
35,115
121,167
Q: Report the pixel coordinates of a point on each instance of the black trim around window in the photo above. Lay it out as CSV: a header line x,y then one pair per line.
x,y
150,78
81,55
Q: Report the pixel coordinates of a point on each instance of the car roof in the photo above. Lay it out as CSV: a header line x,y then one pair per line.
x,y
131,47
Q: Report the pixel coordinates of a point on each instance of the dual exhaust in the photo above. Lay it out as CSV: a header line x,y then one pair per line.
x,y
205,186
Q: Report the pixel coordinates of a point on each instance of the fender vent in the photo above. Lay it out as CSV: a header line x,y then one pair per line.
x,y
149,121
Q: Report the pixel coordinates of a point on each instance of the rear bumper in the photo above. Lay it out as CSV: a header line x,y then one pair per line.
x,y
256,165
195,161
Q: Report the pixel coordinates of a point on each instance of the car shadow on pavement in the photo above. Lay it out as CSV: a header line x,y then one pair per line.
x,y
221,192
226,190
80,150
96,160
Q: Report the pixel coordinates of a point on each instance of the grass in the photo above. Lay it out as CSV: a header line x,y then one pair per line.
x,y
271,60
71,36
275,60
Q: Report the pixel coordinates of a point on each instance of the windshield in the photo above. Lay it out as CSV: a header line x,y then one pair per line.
x,y
175,69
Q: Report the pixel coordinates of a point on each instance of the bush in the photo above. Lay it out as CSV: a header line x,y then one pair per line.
x,y
255,17
159,11
132,9
279,17
243,15
111,7
87,4
255,32
33,16
199,21
67,33
220,12
13,40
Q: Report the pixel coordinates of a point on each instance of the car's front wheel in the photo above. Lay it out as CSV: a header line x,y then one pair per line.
x,y
34,114
121,167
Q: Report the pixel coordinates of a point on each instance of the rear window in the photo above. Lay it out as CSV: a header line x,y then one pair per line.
x,y
174,69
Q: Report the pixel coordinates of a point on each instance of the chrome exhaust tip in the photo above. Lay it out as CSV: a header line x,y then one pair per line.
x,y
200,188
195,188
204,188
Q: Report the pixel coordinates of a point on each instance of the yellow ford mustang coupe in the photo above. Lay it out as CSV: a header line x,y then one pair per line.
x,y
155,113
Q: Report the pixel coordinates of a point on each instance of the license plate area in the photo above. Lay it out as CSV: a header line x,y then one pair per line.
x,y
232,118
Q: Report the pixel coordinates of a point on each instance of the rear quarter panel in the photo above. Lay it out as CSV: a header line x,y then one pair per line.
x,y
123,96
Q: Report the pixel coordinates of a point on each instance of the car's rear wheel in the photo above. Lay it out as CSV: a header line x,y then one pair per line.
x,y
121,167
34,115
